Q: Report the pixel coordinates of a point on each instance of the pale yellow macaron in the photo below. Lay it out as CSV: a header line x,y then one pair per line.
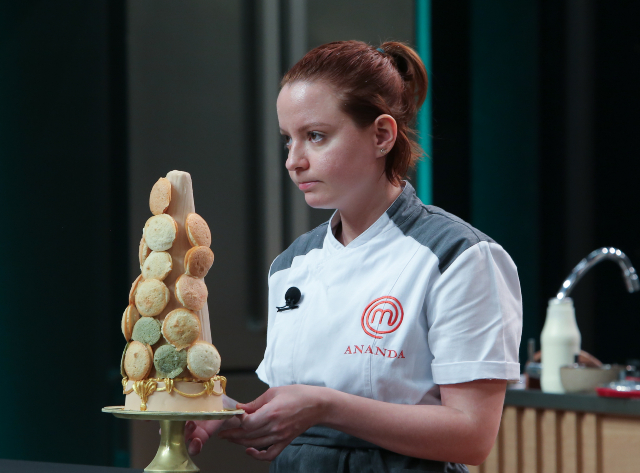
x,y
198,261
134,288
197,230
181,328
152,297
129,319
160,196
160,232
191,292
203,360
158,265
143,251
138,361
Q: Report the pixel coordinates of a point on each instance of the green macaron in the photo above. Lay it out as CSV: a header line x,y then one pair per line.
x,y
169,362
147,330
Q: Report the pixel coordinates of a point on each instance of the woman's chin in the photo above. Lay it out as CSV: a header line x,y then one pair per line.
x,y
316,201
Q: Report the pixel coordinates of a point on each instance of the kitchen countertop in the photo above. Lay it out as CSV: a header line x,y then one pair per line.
x,y
572,402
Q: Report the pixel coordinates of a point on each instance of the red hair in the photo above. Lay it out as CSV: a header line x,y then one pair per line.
x,y
371,82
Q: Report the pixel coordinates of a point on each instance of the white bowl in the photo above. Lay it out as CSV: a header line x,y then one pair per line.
x,y
579,378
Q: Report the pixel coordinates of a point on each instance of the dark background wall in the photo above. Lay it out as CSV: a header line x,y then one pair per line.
x,y
535,112
62,182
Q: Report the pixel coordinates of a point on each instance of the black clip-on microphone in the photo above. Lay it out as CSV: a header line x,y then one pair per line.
x,y
291,298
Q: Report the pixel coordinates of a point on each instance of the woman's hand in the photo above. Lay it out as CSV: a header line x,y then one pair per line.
x,y
198,432
274,419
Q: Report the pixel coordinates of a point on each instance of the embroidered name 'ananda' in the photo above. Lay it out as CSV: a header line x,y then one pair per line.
x,y
385,352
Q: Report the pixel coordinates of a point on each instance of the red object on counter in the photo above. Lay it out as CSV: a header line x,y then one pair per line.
x,y
626,389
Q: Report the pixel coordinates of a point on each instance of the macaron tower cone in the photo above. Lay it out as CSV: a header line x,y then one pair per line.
x,y
181,204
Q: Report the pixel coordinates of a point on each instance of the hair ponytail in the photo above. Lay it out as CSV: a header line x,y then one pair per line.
x,y
412,71
371,82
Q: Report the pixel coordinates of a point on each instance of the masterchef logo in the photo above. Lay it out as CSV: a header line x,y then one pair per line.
x,y
383,315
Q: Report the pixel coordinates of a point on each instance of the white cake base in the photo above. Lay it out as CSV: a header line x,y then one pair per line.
x,y
163,401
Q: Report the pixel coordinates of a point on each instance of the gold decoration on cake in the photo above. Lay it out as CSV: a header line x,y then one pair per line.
x,y
147,387
209,386
144,389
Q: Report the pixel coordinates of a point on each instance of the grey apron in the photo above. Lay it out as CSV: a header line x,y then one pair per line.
x,y
325,450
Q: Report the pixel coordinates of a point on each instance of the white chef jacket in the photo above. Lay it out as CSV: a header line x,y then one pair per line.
x,y
420,298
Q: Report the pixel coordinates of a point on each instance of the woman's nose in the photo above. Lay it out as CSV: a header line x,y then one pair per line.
x,y
296,158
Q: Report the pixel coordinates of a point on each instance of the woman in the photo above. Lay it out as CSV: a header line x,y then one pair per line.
x,y
398,298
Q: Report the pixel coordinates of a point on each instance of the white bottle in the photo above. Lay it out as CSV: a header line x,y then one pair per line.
x,y
560,342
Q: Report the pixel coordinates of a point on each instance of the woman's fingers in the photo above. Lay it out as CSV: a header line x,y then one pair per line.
x,y
257,403
244,433
230,423
269,454
259,443
195,446
189,428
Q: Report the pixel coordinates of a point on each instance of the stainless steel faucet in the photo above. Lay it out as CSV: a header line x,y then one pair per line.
x,y
628,271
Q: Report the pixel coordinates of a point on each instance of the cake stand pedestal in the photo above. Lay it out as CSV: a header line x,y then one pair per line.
x,y
172,453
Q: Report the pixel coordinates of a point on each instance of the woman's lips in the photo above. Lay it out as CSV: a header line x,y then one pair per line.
x,y
303,186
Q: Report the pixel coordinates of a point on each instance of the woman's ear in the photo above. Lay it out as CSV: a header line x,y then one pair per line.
x,y
386,131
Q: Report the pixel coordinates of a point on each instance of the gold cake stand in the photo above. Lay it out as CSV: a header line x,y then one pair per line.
x,y
172,453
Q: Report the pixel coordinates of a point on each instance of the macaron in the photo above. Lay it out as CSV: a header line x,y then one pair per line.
x,y
134,288
124,352
129,319
203,360
197,230
160,196
169,362
138,361
152,296
181,328
160,232
147,331
158,265
191,292
198,261
143,251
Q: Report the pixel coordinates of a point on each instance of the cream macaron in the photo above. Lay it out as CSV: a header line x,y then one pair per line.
x,y
191,292
134,289
143,251
129,319
197,230
160,232
152,296
138,361
158,265
181,328
160,196
203,360
198,261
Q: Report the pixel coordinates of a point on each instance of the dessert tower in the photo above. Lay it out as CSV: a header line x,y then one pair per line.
x,y
169,363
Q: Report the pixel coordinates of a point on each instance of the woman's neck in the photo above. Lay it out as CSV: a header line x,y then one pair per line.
x,y
362,214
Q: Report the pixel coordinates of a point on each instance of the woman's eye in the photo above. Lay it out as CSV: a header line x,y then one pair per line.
x,y
286,141
314,136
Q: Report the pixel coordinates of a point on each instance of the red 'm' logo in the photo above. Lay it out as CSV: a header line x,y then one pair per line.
x,y
382,306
